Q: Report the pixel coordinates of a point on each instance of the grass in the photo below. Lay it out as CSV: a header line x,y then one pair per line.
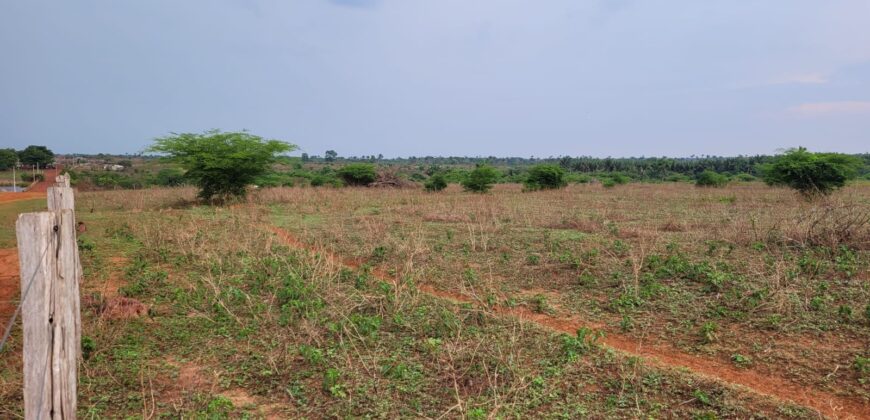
x,y
9,214
240,324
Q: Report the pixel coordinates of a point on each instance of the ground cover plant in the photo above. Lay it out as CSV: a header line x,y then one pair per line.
x,y
321,302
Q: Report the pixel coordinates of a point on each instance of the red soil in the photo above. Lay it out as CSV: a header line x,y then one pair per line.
x,y
8,282
660,355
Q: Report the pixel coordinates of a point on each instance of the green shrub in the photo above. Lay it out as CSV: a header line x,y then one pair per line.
x,y
436,182
480,180
710,178
358,174
169,177
545,177
744,177
809,173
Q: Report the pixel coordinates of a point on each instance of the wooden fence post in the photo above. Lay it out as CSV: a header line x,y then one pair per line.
x,y
50,273
62,198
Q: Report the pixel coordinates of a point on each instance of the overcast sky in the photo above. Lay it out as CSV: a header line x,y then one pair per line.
x,y
441,77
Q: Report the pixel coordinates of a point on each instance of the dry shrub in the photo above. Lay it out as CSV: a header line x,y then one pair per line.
x,y
672,226
628,233
584,225
388,178
833,224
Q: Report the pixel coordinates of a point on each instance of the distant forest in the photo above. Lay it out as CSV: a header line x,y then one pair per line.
x,y
658,168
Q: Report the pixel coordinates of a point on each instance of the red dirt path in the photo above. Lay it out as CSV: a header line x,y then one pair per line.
x,y
664,356
9,284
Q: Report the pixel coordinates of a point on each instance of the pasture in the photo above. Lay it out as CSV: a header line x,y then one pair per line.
x,y
642,300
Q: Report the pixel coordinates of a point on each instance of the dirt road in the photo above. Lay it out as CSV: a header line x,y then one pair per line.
x,y
9,284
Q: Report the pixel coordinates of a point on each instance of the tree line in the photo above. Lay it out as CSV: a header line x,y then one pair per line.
x,y
29,156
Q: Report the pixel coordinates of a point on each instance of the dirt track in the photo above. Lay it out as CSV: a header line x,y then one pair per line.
x,y
763,383
9,284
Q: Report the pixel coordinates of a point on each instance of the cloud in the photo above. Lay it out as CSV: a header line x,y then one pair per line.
x,y
821,109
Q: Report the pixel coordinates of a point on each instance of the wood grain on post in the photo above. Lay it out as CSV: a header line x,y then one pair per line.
x,y
62,198
49,313
62,180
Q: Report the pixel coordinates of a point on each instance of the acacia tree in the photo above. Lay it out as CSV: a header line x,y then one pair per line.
x,y
809,173
221,164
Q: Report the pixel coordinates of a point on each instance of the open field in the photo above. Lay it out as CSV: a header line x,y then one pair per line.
x,y
641,300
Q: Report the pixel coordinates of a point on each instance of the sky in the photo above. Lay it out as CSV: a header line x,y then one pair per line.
x,y
447,77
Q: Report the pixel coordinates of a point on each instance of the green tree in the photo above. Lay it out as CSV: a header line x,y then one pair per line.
x,y
358,174
480,180
33,155
330,155
710,178
810,173
436,182
221,164
8,157
545,177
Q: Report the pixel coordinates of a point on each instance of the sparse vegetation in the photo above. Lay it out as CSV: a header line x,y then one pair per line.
x,y
302,302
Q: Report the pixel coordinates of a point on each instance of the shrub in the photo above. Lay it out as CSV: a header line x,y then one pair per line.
x,y
358,174
809,173
436,182
545,177
744,177
480,180
221,164
710,178
169,177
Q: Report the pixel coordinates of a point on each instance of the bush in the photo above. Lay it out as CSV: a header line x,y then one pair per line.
x,y
436,182
613,179
545,177
811,173
221,164
28,177
480,180
744,177
169,177
710,178
358,174
677,178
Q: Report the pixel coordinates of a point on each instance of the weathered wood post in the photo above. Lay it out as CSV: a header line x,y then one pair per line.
x,y
50,308
61,198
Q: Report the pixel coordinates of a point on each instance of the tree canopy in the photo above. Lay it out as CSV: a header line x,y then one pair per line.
x,y
33,155
8,157
811,173
221,164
